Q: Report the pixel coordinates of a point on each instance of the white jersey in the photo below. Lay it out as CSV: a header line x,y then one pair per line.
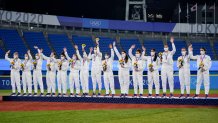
x,y
75,65
62,65
84,62
109,62
127,64
150,60
14,63
184,61
50,65
168,57
96,60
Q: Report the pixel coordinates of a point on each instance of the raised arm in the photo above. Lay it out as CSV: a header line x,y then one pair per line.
x,y
116,51
173,46
90,53
6,56
66,54
143,54
190,50
77,52
112,51
29,54
130,51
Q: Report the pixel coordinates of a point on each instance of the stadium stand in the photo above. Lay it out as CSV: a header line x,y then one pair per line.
x,y
59,41
156,44
12,41
126,44
79,40
37,38
2,53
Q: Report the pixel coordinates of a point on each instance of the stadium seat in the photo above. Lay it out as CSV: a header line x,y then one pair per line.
x,y
37,38
12,41
59,41
2,53
156,44
126,44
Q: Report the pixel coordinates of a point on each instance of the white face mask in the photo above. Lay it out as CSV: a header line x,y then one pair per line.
x,y
137,55
166,49
106,57
37,57
183,53
95,51
123,55
26,58
84,56
202,52
62,58
152,53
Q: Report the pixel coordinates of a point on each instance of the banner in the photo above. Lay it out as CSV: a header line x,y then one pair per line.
x,y
5,82
12,16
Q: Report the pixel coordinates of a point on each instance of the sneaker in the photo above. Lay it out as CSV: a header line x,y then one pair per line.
x,y
125,95
195,96
24,94
93,94
13,94
149,96
35,94
41,95
112,95
71,95
64,95
181,95
106,95
140,95
99,94
164,95
206,96
121,95
53,95
59,95
135,95
157,96
48,95
76,95
187,96
18,94
171,95
29,94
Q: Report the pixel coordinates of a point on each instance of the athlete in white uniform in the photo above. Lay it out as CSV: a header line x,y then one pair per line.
x,y
153,65
84,71
62,67
183,63
37,73
50,74
74,73
107,66
203,65
167,68
137,68
26,73
96,58
15,63
123,73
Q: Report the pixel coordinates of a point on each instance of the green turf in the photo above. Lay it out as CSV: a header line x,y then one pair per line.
x,y
169,115
176,91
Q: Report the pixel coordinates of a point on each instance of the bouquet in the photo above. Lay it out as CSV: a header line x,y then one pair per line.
x,y
12,65
160,54
49,67
151,69
135,64
104,66
181,61
201,65
83,45
22,66
97,39
121,61
34,64
59,65
72,62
